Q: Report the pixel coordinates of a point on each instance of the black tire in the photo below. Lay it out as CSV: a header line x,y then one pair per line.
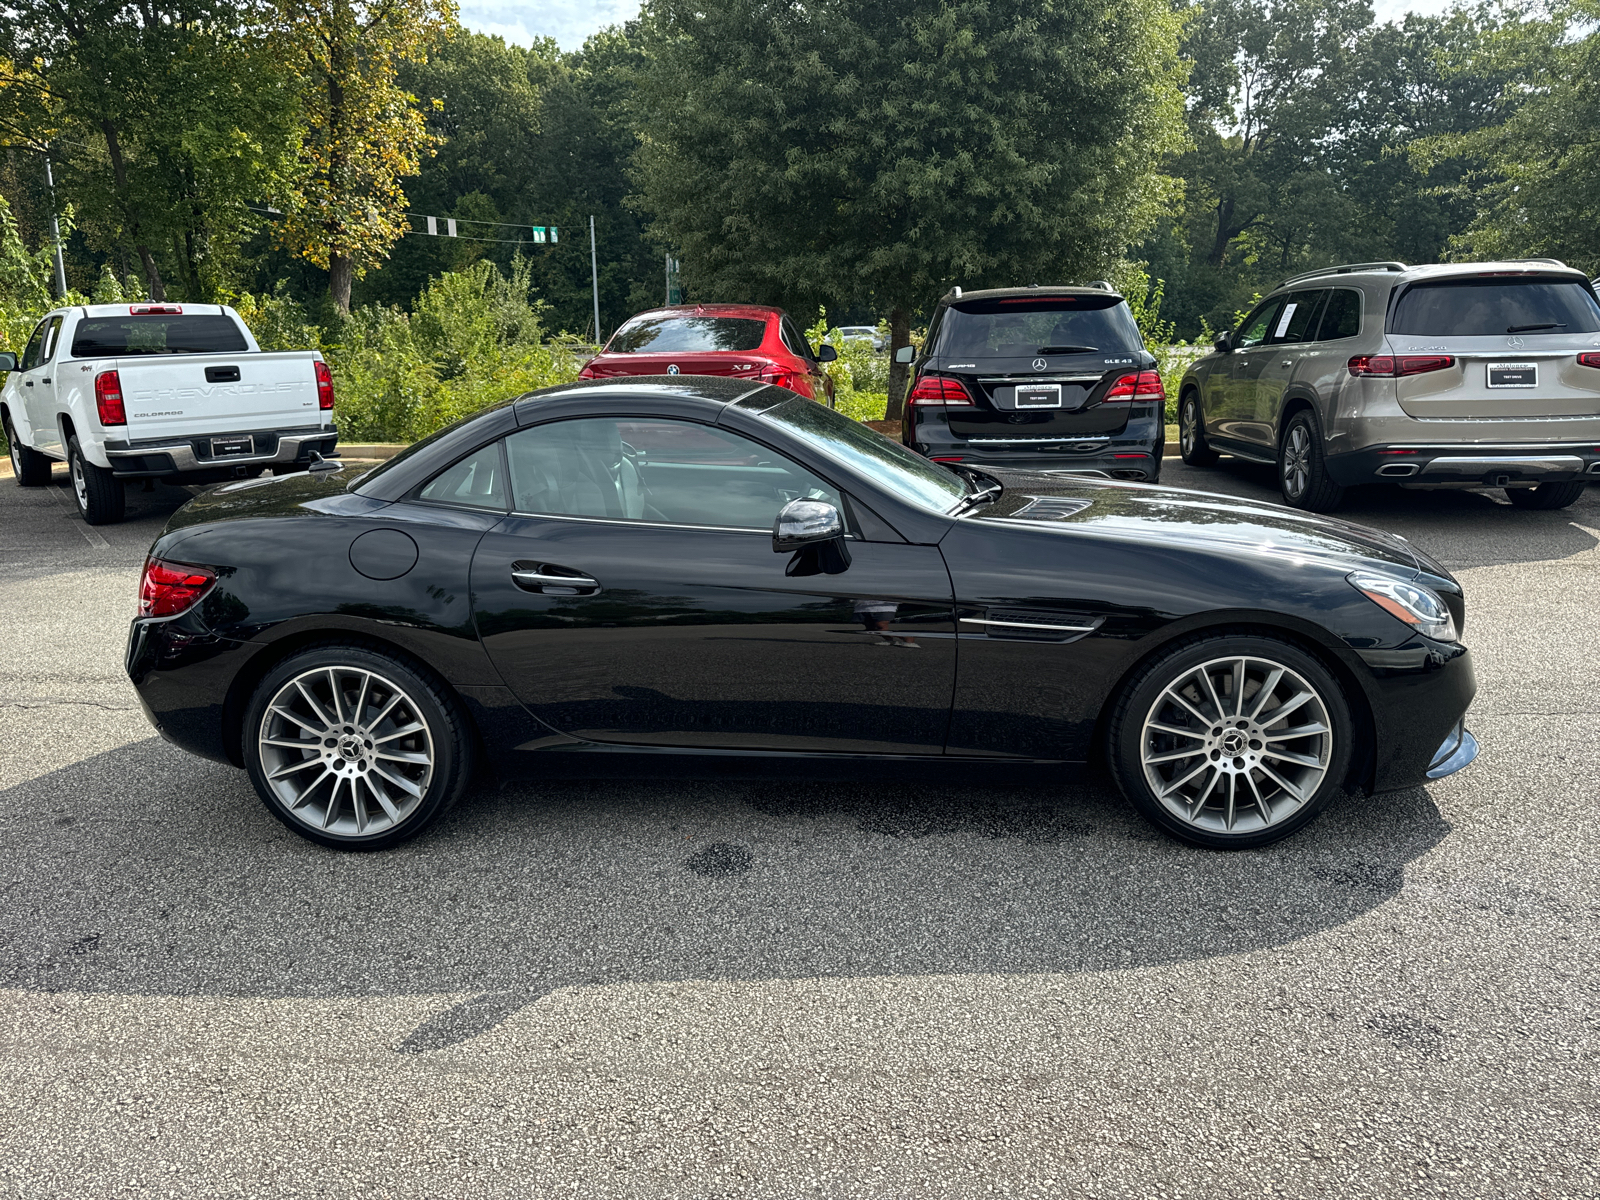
x,y
1547,495
96,491
28,467
1192,443
1263,812
1303,467
351,769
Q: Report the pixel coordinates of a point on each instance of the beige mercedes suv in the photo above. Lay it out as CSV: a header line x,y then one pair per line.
x,y
1465,375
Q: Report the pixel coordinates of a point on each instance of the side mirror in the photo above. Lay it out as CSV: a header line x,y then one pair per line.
x,y
805,523
826,353
1224,342
905,354
8,361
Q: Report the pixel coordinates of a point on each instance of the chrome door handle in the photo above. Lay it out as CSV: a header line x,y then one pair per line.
x,y
542,579
1288,362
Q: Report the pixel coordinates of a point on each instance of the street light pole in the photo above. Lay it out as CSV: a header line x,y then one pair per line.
x,y
594,274
55,226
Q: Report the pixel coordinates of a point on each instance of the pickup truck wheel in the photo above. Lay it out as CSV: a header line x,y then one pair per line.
x,y
1192,434
28,466
1547,495
98,492
354,749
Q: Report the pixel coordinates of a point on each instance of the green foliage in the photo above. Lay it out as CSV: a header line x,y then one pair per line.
x,y
1538,193
853,152
472,338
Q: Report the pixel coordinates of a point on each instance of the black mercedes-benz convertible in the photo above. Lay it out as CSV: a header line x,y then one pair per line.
x,y
700,566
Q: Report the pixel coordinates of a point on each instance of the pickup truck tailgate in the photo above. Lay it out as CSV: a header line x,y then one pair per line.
x,y
192,394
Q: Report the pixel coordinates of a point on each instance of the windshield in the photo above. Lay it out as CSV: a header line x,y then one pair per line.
x,y
1021,327
687,335
117,337
1495,307
899,470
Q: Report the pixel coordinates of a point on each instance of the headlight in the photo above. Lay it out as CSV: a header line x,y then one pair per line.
x,y
1412,603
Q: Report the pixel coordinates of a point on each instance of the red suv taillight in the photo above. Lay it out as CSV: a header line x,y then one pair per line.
x,y
1408,364
939,391
588,371
781,377
108,398
1136,388
1589,360
324,386
170,588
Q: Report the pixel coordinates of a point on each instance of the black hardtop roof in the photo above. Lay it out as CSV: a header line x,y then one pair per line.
x,y
1041,291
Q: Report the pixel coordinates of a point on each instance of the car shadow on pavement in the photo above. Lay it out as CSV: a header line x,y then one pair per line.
x,y
144,871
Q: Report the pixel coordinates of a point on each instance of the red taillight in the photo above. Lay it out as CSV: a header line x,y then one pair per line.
x,y
155,310
170,588
1589,360
939,391
108,398
780,377
324,386
1136,388
1390,365
588,371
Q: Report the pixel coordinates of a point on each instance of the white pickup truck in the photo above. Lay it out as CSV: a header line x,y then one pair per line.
x,y
177,392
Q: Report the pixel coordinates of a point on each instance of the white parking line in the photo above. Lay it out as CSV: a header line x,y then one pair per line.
x,y
88,531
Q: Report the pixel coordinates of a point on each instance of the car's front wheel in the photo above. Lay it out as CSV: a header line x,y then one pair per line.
x,y
99,494
1547,495
1192,433
28,467
354,748
1230,741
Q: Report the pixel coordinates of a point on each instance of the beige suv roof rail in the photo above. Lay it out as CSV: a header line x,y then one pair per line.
x,y
1345,269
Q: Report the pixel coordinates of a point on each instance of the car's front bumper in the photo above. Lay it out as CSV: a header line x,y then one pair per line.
x,y
151,458
1414,465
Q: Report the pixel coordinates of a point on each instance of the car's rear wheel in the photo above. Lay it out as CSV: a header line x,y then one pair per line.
x,y
1192,433
1303,468
355,749
1547,495
28,467
99,494
1230,741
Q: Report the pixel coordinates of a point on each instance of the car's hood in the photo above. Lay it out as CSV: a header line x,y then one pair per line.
x,y
305,493
1186,519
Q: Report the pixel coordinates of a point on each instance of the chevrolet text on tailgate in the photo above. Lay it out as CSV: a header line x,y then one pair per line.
x,y
177,392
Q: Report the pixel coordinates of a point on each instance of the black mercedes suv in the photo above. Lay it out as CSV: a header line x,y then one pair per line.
x,y
1041,378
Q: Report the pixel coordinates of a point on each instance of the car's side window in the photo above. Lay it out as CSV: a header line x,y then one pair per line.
x,y
52,335
30,355
477,481
1342,316
1253,330
793,339
666,472
1298,320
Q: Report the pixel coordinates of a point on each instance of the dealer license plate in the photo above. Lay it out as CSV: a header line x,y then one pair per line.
x,y
1038,395
1513,375
232,447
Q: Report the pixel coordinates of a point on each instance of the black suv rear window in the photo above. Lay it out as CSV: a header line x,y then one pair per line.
x,y
1022,327
1495,307
115,337
687,335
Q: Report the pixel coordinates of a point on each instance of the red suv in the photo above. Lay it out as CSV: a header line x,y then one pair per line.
x,y
739,340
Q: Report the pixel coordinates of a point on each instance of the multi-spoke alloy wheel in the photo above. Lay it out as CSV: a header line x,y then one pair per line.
x,y
1231,741
1236,743
1296,462
353,749
346,751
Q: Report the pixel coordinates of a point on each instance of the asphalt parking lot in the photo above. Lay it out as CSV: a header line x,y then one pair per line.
x,y
792,987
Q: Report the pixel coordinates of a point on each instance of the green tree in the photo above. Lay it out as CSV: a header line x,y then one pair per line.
x,y
1538,188
846,152
167,120
361,133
